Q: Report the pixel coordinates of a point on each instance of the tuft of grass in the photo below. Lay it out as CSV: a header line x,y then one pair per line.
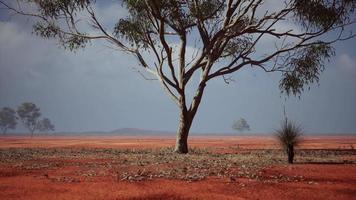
x,y
289,136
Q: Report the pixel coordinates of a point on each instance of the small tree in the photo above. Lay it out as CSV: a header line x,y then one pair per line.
x,y
241,125
7,119
45,125
289,136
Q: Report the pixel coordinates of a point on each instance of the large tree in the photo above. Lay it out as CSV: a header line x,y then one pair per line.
x,y
226,35
8,119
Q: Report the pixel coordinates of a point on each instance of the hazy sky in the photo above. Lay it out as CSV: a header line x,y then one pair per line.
x,y
98,89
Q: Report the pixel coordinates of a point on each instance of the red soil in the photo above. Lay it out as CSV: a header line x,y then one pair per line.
x,y
319,181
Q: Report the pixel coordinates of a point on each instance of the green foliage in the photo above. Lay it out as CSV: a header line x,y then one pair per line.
x,y
52,13
136,7
55,8
68,41
74,42
133,31
49,30
135,28
7,119
205,9
305,68
179,15
323,13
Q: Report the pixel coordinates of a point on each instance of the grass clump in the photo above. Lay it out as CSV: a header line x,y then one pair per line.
x,y
289,136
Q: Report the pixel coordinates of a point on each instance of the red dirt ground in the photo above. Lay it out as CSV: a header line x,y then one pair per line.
x,y
320,181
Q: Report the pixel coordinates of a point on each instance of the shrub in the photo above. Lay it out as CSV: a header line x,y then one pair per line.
x,y
289,136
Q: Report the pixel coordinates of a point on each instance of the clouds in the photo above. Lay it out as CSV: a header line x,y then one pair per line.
x,y
11,35
93,89
347,63
110,13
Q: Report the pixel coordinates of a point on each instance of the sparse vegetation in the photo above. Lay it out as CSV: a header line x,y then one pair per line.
x,y
289,136
146,164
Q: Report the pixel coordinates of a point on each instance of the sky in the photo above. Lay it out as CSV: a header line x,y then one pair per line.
x,y
98,88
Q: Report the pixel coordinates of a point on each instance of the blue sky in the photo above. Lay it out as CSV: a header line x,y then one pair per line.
x,y
98,88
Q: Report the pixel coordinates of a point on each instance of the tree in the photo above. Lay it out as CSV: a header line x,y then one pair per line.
x,y
7,119
289,136
241,125
226,35
45,125
29,114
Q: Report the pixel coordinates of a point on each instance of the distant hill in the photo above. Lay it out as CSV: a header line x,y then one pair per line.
x,y
137,131
121,131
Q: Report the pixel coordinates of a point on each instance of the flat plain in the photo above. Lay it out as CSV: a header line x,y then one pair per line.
x,y
144,167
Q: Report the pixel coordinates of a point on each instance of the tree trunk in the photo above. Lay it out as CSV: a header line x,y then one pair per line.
x,y
290,154
185,122
186,119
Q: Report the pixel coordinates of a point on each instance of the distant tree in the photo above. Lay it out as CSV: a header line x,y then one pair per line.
x,y
8,119
45,125
29,114
241,125
289,136
226,36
